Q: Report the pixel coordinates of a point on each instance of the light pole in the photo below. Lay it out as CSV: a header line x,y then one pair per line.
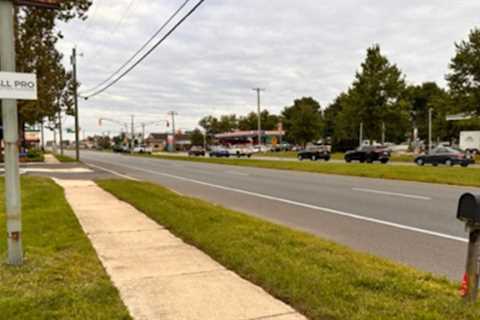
x,y
430,130
75,100
361,134
60,127
13,204
259,121
172,146
133,132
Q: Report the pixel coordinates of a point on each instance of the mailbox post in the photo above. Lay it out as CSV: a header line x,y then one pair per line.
x,y
469,212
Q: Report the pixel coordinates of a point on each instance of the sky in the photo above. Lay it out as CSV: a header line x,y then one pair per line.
x,y
227,47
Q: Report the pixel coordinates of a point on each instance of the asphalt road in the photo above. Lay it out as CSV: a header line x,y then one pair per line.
x,y
412,223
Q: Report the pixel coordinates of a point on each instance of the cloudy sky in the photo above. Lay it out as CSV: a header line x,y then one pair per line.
x,y
290,48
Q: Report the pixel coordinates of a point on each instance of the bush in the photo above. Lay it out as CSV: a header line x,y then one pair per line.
x,y
35,155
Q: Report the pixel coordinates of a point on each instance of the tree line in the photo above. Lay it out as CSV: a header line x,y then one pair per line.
x,y
381,100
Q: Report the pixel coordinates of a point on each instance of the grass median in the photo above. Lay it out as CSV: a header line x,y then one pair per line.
x,y
64,158
442,175
319,278
62,277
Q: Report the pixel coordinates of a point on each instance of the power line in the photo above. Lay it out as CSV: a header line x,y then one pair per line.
x,y
147,43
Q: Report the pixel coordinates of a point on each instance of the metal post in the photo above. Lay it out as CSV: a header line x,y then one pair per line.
x,y
361,134
42,132
259,120
75,99
473,265
133,132
383,133
430,130
13,205
60,133
143,133
205,142
173,146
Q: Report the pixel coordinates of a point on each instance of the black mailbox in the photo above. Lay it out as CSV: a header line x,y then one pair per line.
x,y
469,208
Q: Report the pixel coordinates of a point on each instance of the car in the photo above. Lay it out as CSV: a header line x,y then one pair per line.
x,y
142,149
219,153
449,156
314,153
241,152
368,154
196,151
120,148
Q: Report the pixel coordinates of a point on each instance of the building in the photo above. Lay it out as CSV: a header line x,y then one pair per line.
x,y
160,141
250,137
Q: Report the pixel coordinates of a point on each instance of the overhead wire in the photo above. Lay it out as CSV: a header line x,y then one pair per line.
x,y
146,54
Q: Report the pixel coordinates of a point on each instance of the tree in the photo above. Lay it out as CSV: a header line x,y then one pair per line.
x,y
464,76
196,137
35,39
422,98
211,125
303,121
250,122
375,98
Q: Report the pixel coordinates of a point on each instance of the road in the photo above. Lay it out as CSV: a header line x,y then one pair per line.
x,y
412,223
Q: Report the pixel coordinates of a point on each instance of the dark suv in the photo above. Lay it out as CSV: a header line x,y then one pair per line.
x,y
314,153
368,154
196,152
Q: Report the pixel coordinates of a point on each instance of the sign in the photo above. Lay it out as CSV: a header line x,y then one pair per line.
x,y
21,86
32,136
48,4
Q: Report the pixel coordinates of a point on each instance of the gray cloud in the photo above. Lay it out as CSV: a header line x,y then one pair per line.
x,y
308,48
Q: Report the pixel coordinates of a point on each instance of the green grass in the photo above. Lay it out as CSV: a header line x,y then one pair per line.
x,y
62,277
64,159
443,175
319,278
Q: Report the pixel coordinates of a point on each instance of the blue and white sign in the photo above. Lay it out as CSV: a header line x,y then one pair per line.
x,y
22,86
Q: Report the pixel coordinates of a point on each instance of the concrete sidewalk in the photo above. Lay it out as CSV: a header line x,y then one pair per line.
x,y
157,274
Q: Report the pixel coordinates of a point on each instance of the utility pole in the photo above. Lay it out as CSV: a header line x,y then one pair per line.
x,y
173,147
143,133
60,128
361,134
133,132
383,133
430,130
75,100
42,132
259,124
13,205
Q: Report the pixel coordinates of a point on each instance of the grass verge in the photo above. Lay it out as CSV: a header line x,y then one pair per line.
x,y
442,175
321,279
62,277
64,159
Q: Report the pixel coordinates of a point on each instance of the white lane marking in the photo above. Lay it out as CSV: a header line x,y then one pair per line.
x,y
47,170
396,194
305,205
236,173
112,172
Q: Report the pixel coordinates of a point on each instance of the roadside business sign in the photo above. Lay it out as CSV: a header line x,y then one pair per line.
x,y
48,4
21,86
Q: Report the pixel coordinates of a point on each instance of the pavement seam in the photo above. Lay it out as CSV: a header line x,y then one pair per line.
x,y
274,316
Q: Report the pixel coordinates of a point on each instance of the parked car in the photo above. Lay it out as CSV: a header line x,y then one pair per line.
x,y
446,155
196,151
261,148
241,152
219,153
142,149
120,148
314,153
368,154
